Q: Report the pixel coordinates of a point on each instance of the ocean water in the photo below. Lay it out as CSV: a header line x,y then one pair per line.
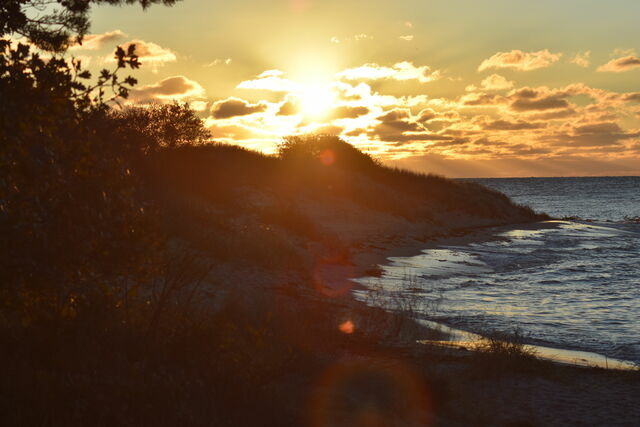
x,y
564,284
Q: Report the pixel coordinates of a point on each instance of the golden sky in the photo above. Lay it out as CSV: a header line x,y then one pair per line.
x,y
463,88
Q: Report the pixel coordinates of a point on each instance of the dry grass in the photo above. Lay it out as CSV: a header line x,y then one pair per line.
x,y
499,353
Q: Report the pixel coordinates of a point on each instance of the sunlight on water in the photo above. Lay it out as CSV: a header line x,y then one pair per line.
x,y
566,285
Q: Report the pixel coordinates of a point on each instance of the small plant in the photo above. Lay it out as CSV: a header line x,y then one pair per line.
x,y
500,352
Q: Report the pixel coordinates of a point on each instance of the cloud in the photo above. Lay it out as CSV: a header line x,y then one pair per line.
x,y
399,127
166,90
401,71
481,99
581,59
270,80
493,82
528,99
232,107
407,38
359,37
288,108
619,65
519,60
356,38
510,126
349,112
98,41
632,97
399,120
218,61
149,53
603,134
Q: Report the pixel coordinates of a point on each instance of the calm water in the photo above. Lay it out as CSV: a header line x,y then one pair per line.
x,y
563,284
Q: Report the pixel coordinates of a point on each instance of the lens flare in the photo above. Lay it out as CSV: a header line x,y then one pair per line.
x,y
327,157
347,327
388,392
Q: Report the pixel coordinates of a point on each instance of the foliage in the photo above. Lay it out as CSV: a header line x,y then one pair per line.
x,y
160,125
71,218
329,150
501,352
52,25
77,228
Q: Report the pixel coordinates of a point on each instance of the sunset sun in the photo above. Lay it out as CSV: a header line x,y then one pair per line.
x,y
316,100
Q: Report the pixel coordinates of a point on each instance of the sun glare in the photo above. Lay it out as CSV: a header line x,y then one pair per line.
x,y
316,100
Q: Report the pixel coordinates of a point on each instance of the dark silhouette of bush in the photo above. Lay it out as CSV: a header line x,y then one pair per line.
x,y
157,126
326,150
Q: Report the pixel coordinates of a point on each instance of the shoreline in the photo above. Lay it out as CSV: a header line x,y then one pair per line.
x,y
368,265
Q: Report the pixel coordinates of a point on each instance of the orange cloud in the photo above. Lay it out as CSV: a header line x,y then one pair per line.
x,y
493,82
581,59
619,65
520,61
98,41
149,53
401,71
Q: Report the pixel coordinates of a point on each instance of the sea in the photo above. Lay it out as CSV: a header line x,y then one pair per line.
x,y
569,285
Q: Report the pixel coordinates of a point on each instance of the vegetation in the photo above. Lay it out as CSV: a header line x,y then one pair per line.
x,y
502,353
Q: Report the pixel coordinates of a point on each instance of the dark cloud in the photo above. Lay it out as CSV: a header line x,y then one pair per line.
x,y
599,128
528,99
489,142
481,99
554,115
632,97
547,103
176,87
593,135
393,124
426,115
506,125
232,107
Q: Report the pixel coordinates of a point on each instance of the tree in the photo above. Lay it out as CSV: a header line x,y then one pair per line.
x,y
53,24
160,125
75,225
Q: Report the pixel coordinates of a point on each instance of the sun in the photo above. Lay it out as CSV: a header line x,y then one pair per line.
x,y
316,100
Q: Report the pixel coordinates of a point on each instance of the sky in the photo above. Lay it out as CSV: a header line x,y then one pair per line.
x,y
462,88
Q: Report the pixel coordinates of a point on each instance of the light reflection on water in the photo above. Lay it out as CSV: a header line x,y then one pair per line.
x,y
565,285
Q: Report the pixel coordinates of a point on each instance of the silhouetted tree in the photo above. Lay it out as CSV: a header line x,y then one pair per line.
x,y
160,125
53,24
75,226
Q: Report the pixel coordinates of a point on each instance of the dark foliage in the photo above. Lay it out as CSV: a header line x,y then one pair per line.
x,y
54,24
